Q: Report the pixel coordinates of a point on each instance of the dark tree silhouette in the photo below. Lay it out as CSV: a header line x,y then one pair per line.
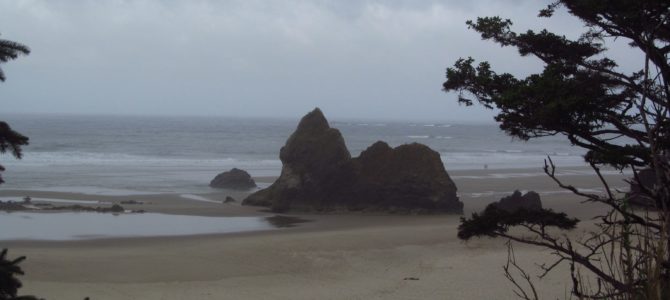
x,y
9,284
10,50
621,118
496,222
10,140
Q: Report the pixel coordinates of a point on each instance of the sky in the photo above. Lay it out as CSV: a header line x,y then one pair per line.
x,y
249,58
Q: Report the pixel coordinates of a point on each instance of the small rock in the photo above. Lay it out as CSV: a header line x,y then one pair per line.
x,y
233,179
229,199
117,208
11,206
530,201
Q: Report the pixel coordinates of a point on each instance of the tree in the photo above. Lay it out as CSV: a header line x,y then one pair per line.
x,y
10,50
9,284
10,140
621,118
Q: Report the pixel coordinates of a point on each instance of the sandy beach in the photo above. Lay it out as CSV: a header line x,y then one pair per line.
x,y
334,256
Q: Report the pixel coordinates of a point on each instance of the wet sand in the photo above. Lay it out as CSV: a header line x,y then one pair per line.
x,y
336,256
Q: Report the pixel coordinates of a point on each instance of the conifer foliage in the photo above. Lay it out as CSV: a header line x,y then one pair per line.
x,y
10,140
9,283
10,50
620,117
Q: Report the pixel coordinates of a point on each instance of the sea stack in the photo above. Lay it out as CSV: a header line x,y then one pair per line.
x,y
318,174
410,176
313,161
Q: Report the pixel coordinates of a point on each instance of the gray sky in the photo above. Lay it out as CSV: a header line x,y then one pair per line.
x,y
354,59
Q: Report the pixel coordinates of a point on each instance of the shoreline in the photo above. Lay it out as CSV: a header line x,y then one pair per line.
x,y
264,181
355,261
476,188
335,256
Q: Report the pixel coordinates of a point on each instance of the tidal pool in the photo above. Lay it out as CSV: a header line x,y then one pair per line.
x,y
86,225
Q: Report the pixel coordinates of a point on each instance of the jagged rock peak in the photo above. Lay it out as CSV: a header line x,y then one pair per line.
x,y
313,139
314,120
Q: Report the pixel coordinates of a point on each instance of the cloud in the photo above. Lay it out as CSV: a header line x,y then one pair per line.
x,y
378,59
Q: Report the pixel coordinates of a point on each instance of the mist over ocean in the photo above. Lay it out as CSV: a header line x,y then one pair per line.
x,y
112,154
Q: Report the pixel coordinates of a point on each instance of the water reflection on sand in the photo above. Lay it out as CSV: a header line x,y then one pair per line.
x,y
85,225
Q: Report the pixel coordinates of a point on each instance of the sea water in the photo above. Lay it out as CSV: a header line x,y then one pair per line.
x,y
62,226
133,154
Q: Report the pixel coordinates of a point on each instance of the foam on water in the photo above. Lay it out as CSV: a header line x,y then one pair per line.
x,y
499,194
79,158
198,198
54,200
137,155
93,190
564,172
506,160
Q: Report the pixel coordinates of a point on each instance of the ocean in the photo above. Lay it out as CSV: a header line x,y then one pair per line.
x,y
133,154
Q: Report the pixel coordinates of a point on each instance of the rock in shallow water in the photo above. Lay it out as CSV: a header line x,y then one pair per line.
x,y
319,174
234,179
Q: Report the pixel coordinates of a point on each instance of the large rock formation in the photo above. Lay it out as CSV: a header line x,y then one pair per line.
x,y
318,173
314,160
410,176
529,201
234,179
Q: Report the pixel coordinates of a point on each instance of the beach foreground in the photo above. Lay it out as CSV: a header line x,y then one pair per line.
x,y
335,256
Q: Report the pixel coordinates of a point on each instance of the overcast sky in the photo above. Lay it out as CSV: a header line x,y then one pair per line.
x,y
354,59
